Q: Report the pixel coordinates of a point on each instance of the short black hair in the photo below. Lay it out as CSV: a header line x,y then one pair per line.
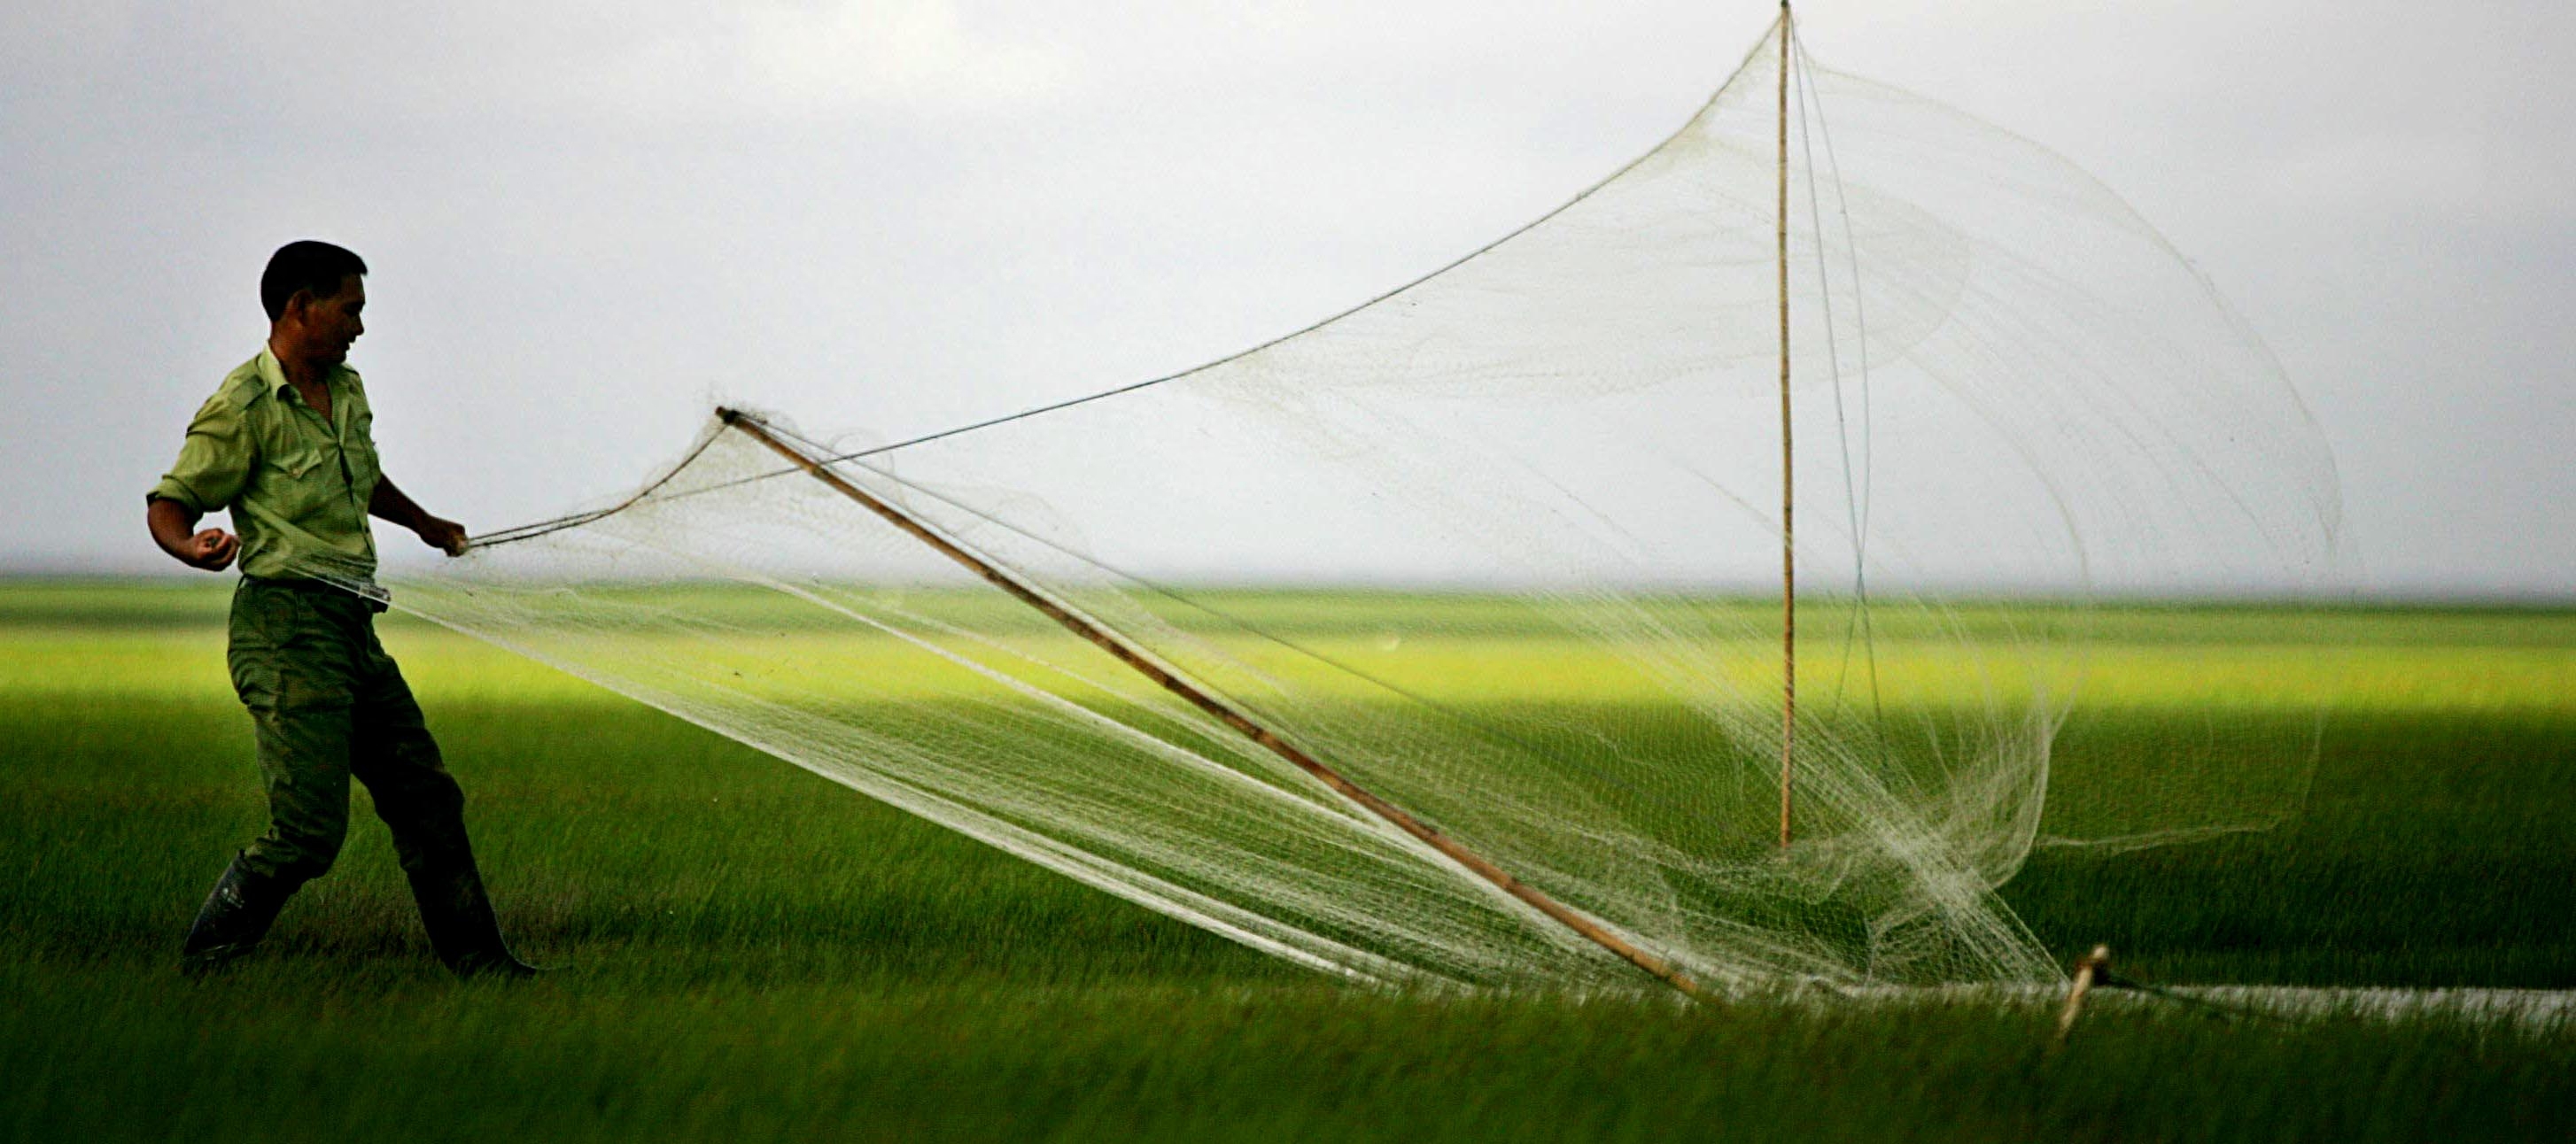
x,y
305,264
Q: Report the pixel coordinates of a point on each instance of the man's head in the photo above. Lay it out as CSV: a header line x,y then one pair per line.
x,y
313,292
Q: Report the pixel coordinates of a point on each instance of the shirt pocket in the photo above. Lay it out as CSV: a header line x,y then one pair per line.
x,y
292,479
365,468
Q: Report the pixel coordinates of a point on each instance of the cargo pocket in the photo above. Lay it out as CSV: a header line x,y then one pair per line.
x,y
249,651
255,677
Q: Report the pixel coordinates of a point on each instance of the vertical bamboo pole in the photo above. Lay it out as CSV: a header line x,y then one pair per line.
x,y
1118,648
1788,472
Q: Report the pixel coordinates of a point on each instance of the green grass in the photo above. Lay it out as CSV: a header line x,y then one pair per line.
x,y
751,952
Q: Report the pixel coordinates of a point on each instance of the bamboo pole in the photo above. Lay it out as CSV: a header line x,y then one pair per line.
x,y
2091,970
1788,472
1660,968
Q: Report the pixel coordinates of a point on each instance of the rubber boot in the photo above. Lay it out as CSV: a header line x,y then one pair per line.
x,y
458,915
236,915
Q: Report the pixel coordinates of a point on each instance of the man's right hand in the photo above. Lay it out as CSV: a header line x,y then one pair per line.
x,y
212,550
174,528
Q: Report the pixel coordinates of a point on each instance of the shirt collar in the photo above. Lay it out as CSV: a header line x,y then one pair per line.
x,y
273,374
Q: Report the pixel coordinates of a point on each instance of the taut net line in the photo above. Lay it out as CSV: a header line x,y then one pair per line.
x,y
1494,548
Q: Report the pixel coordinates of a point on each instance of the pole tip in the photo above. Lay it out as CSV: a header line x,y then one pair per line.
x,y
728,414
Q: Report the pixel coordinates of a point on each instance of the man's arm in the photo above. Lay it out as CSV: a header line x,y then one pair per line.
x,y
389,503
214,461
174,528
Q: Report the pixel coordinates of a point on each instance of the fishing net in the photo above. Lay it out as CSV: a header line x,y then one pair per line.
x,y
1503,548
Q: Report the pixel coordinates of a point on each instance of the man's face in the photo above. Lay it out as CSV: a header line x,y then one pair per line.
x,y
329,325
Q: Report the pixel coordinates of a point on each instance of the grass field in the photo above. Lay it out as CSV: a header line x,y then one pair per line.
x,y
750,952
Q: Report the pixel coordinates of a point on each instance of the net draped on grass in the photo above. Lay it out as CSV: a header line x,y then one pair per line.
x,y
2006,385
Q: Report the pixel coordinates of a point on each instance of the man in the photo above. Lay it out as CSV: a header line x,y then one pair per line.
x,y
284,444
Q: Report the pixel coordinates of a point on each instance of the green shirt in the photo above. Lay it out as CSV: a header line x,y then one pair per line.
x,y
297,485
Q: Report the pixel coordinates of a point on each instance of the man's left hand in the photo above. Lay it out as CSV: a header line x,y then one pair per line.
x,y
444,535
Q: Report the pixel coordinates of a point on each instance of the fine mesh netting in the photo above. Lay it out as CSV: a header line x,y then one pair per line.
x,y
1503,548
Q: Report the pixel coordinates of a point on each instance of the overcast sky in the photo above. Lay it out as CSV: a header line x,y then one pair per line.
x,y
588,221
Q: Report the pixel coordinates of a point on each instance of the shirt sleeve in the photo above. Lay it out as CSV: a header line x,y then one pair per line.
x,y
214,461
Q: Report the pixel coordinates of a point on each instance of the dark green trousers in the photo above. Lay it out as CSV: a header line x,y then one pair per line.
x,y
329,705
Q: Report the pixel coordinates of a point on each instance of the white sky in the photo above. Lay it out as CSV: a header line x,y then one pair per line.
x,y
587,221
